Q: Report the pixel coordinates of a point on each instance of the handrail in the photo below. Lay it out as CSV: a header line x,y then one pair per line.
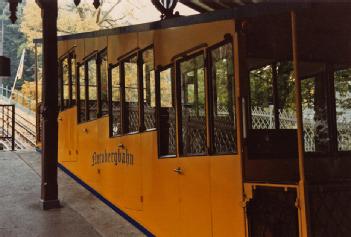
x,y
27,105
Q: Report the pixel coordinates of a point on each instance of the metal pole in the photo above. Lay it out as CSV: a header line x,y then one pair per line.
x,y
36,75
303,203
49,159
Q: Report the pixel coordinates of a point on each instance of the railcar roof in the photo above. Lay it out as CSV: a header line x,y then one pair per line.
x,y
244,11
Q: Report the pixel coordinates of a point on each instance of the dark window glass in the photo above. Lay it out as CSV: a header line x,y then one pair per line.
x,y
65,81
131,94
81,99
224,137
167,115
149,89
116,101
286,95
74,76
92,89
261,98
272,109
60,91
193,114
314,110
342,84
272,113
104,85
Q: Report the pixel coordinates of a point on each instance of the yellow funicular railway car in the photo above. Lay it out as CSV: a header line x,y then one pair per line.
x,y
235,122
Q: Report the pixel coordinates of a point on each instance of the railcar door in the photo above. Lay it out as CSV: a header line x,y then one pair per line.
x,y
194,164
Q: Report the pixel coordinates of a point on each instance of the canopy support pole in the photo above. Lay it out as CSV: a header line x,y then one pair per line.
x,y
303,194
49,111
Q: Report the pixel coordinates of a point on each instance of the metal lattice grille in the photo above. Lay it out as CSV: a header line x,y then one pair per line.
x,y
263,118
194,133
224,135
133,117
330,211
92,109
272,213
150,119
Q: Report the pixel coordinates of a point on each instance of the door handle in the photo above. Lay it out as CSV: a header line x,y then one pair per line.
x,y
178,170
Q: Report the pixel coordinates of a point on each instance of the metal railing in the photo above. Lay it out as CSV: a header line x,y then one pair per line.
x,y
7,126
23,102
25,126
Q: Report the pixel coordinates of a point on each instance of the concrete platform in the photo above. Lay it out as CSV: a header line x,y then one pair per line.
x,y
20,213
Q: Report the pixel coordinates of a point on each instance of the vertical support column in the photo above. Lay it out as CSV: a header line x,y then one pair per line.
x,y
241,90
36,74
49,187
303,200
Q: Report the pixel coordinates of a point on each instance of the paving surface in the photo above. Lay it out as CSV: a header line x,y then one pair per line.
x,y
20,213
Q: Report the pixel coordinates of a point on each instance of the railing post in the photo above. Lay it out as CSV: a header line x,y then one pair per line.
x,y
13,127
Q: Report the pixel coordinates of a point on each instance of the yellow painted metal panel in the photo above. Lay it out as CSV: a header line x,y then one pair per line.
x,y
119,45
79,50
195,196
172,41
89,46
61,48
227,196
145,39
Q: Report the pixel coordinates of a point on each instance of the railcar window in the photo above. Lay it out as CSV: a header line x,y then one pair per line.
x,y
224,135
315,120
73,78
272,97
82,93
167,114
116,101
272,117
92,89
104,84
286,95
149,89
131,94
193,114
261,98
342,84
65,82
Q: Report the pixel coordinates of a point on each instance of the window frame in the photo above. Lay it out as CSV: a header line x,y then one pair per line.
x,y
141,81
69,55
99,57
138,53
334,124
158,70
210,88
178,94
125,119
110,107
84,64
